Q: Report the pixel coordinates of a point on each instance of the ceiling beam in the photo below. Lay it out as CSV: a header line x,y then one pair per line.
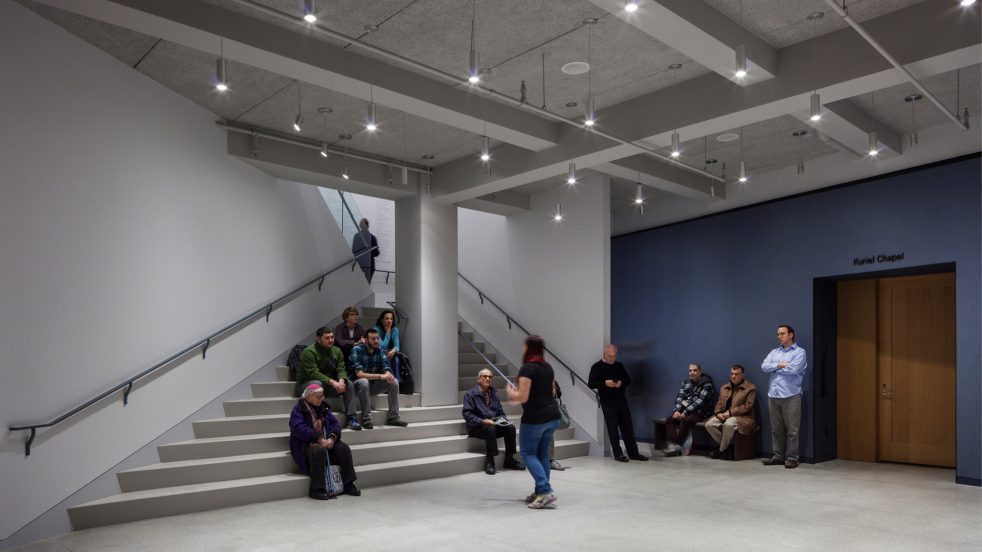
x,y
699,32
508,202
850,125
929,38
664,177
298,55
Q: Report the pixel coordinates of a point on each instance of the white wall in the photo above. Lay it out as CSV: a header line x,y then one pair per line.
x,y
551,277
126,232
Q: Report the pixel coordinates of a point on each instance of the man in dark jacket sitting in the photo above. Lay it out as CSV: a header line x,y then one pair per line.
x,y
486,420
323,362
315,436
693,404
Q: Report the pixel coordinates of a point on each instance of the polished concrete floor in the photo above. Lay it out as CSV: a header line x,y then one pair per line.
x,y
679,504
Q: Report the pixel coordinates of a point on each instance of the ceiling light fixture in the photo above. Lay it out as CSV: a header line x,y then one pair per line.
x,y
638,199
816,107
429,157
298,120
485,149
344,172
591,102
912,137
966,3
741,52
873,142
799,134
370,126
816,101
308,11
325,111
571,174
324,150
473,67
632,6
676,152
220,83
742,179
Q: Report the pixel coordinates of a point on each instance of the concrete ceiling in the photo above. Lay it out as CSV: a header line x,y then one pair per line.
x,y
637,96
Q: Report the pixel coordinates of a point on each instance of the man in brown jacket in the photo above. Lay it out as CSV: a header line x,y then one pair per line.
x,y
734,411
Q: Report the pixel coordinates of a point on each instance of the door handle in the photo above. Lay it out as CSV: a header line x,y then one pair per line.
x,y
886,392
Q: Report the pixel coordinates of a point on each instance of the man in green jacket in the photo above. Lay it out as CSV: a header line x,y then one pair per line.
x,y
324,363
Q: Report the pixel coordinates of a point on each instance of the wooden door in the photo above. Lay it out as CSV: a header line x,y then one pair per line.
x,y
855,379
916,369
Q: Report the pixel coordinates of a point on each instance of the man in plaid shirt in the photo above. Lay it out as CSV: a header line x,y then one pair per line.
x,y
693,404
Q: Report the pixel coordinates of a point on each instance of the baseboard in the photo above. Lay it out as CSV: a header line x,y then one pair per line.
x,y
973,481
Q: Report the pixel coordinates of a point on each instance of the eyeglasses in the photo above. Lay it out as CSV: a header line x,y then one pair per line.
x,y
484,376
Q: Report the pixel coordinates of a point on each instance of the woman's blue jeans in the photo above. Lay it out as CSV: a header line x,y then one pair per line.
x,y
533,443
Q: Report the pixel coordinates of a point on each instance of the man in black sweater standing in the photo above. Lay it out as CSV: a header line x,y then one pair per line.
x,y
610,379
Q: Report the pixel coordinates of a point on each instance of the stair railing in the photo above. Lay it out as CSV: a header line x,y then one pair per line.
x,y
574,377
202,343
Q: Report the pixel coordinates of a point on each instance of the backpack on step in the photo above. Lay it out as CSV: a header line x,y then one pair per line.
x,y
406,384
293,361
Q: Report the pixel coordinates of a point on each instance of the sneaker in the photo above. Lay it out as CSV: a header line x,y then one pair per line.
x,y
687,445
352,424
669,452
396,422
543,501
773,461
366,423
791,463
555,465
530,498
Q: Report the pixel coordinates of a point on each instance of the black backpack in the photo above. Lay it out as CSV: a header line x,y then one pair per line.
x,y
406,384
293,361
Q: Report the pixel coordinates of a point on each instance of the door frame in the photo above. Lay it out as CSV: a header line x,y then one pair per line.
x,y
824,420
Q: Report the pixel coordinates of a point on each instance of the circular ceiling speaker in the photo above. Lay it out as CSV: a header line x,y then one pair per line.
x,y
728,137
576,68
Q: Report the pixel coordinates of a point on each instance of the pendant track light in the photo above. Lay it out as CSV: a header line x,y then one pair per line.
x,y
675,146
816,107
799,134
571,174
743,172
309,9
558,217
631,6
298,120
370,125
591,117
220,83
912,137
473,65
591,101
485,149
324,150
873,142
741,61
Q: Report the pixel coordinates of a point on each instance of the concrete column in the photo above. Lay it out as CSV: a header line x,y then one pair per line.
x,y
426,290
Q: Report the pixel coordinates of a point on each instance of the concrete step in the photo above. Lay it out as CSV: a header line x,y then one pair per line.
x,y
204,470
474,358
471,370
464,347
271,423
152,503
277,405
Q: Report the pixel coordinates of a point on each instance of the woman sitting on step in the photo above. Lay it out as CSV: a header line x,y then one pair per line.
x,y
315,437
388,339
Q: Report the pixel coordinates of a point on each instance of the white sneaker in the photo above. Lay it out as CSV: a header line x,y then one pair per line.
x,y
543,501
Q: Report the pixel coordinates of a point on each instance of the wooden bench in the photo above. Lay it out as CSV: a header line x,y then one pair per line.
x,y
744,447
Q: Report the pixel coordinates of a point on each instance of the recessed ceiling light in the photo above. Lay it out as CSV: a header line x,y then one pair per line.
x,y
576,68
728,137
571,104
325,110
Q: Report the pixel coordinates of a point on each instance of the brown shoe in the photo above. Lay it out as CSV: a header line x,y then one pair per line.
x,y
791,464
773,462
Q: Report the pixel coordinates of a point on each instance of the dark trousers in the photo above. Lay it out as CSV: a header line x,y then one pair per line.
x,y
677,430
618,416
490,436
317,462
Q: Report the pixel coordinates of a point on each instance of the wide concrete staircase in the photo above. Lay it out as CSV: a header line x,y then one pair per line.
x,y
244,457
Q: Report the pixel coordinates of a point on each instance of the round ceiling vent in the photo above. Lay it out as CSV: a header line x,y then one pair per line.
x,y
576,68
728,137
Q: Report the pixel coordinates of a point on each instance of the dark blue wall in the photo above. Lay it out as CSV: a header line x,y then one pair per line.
x,y
713,290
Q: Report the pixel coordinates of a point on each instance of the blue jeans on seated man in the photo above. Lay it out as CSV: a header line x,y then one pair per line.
x,y
394,364
533,442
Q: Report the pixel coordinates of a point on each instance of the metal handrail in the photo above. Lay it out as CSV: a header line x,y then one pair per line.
x,y
511,320
486,359
204,343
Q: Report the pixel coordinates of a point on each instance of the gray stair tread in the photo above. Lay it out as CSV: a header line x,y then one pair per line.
x,y
193,488
229,438
286,415
177,464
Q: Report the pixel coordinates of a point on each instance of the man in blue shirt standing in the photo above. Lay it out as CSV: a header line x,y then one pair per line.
x,y
786,366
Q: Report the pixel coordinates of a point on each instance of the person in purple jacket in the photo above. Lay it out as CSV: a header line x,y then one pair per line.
x,y
315,434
